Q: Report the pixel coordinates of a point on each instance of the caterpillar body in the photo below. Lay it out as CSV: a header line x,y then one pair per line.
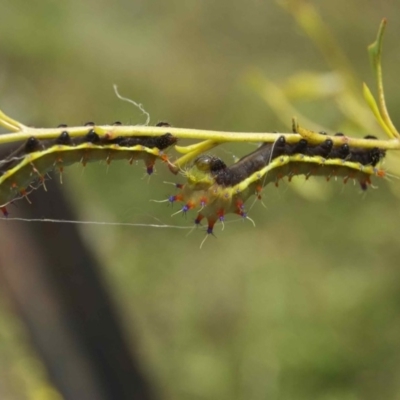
x,y
31,161
217,190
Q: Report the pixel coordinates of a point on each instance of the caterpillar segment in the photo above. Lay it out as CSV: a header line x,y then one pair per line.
x,y
34,159
215,189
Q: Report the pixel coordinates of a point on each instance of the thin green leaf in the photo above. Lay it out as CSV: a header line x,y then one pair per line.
x,y
375,53
369,98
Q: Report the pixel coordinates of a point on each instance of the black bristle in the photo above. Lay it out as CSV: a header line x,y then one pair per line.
x,y
62,126
90,123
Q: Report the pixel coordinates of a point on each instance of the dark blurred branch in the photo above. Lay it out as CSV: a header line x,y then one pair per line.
x,y
55,284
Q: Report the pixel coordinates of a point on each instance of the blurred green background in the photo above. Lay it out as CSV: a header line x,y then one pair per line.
x,y
306,305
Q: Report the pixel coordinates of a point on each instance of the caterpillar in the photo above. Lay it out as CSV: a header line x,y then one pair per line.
x,y
31,161
217,190
212,186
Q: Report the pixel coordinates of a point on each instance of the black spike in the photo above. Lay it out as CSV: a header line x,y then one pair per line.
x,y
341,152
164,141
32,145
92,137
321,150
297,148
326,147
64,139
278,148
163,123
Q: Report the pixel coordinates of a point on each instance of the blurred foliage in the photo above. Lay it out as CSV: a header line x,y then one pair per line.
x,y
304,306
